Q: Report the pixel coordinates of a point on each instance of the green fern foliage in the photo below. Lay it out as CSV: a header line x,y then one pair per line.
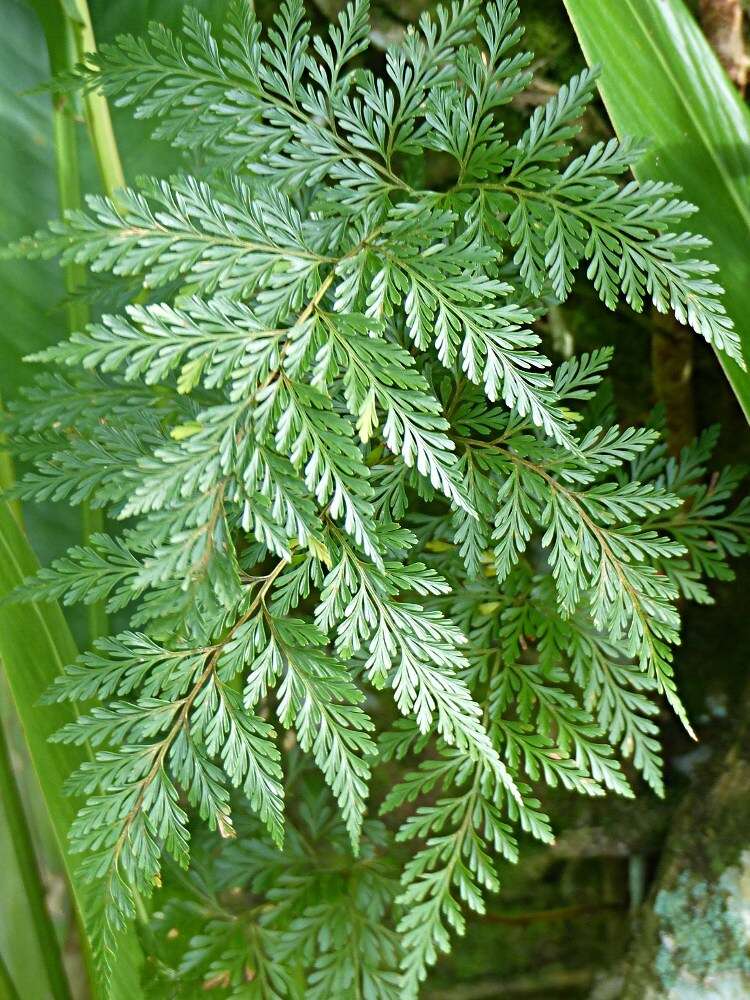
x,y
357,515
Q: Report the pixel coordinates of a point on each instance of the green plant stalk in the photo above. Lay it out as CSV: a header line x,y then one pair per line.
x,y
69,191
20,835
68,46
101,133
35,641
70,36
16,552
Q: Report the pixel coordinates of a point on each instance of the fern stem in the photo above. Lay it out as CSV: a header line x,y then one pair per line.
x,y
20,836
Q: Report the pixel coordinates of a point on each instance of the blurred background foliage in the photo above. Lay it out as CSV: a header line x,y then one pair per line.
x,y
567,915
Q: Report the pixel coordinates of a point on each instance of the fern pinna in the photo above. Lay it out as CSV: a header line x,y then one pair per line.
x,y
346,483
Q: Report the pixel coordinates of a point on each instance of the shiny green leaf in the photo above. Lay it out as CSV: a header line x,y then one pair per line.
x,y
662,82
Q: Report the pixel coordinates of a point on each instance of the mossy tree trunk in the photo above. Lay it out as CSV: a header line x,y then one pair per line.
x,y
695,926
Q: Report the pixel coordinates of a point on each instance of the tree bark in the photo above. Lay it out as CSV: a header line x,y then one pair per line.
x,y
721,21
706,851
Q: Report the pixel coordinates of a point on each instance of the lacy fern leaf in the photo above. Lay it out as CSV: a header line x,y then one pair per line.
x,y
348,489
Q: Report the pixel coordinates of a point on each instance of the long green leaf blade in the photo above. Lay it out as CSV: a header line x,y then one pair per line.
x,y
35,643
661,81
21,837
